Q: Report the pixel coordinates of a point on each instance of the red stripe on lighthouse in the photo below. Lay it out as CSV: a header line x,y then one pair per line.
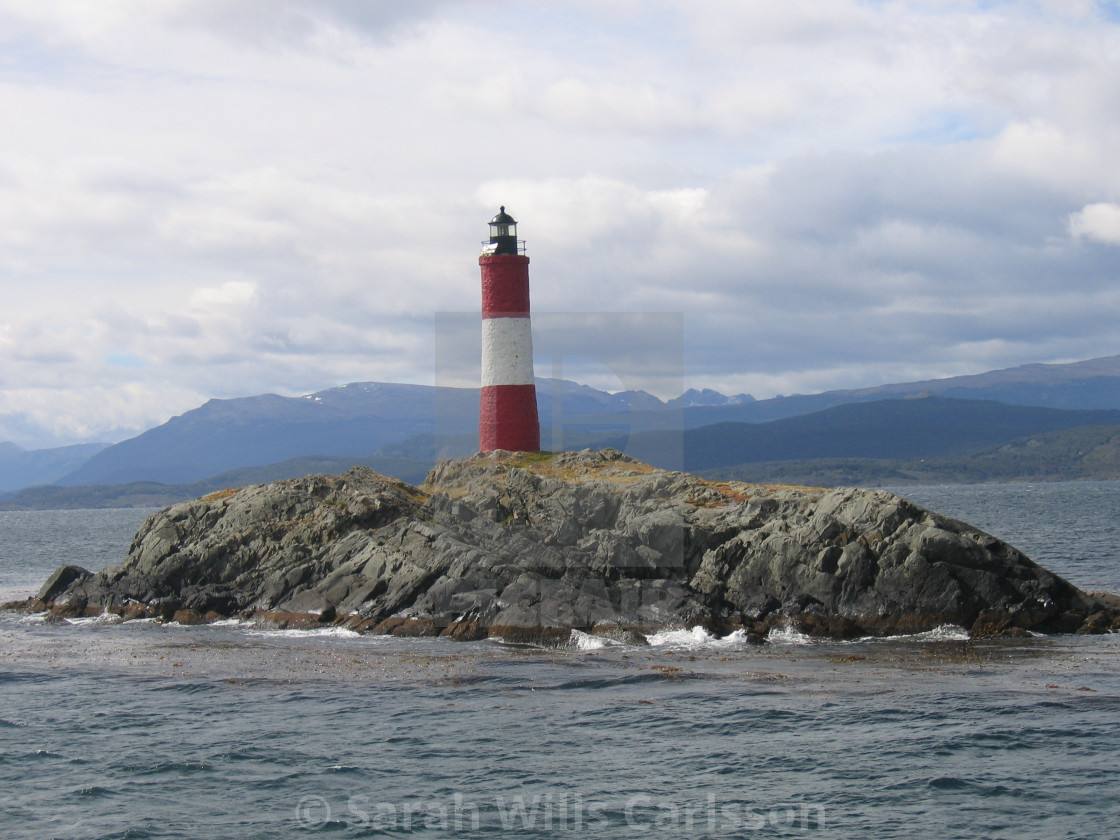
x,y
508,419
508,406
505,286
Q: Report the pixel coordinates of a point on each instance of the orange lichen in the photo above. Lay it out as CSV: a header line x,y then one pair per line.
x,y
220,494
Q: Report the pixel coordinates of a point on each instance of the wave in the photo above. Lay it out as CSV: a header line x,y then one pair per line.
x,y
337,632
697,638
788,636
34,618
944,633
229,622
96,620
585,641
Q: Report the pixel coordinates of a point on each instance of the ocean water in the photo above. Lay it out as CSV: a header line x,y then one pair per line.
x,y
37,541
145,730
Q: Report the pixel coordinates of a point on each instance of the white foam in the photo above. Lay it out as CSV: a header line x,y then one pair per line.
x,y
103,618
585,641
787,636
732,639
341,632
34,618
229,622
944,633
694,638
223,622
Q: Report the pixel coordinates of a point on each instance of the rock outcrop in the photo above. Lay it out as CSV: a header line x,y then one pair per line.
x,y
530,546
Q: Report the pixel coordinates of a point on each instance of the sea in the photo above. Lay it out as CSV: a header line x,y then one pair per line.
x,y
149,730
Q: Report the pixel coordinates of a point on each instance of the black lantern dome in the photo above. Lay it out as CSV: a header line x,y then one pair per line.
x,y
503,235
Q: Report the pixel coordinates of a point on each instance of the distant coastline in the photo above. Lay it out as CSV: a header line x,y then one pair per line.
x,y
1031,423
1090,453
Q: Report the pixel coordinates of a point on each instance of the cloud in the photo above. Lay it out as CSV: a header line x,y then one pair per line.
x,y
1099,222
317,26
206,199
231,298
299,23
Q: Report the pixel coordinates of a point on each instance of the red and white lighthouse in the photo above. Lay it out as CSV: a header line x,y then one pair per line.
x,y
508,417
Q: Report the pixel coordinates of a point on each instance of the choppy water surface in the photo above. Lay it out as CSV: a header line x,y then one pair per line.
x,y
36,541
145,730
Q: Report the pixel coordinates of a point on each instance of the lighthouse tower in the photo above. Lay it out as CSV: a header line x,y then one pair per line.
x,y
508,417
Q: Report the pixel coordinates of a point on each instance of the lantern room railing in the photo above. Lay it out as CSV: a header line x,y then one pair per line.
x,y
488,247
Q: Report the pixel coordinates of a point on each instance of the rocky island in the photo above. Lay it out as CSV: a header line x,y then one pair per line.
x,y
529,547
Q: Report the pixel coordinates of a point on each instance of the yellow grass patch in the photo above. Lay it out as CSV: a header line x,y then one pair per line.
x,y
220,494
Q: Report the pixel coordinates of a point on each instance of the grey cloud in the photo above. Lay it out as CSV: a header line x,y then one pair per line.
x,y
812,214
298,23
984,259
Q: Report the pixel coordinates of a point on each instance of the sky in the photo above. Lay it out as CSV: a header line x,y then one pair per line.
x,y
219,198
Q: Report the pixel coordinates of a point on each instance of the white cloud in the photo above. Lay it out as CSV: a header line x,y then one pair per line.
x,y
319,25
233,295
205,198
1099,222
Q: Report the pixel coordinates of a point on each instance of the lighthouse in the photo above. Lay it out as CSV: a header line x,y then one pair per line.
x,y
508,416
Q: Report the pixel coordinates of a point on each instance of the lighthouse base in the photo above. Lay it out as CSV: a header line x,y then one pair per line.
x,y
508,419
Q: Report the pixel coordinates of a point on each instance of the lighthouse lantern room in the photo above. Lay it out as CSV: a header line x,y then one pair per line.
x,y
503,235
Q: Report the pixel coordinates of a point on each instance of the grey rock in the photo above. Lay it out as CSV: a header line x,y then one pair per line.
x,y
538,543
60,580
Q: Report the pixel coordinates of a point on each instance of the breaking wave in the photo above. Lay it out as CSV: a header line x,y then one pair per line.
x,y
696,638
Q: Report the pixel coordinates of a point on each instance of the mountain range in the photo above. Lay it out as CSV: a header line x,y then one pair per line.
x,y
22,468
403,429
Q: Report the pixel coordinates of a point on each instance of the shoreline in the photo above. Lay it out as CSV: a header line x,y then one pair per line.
x,y
240,658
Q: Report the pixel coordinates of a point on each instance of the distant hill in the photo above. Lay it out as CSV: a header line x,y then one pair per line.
x,y
351,420
893,441
706,397
21,468
1085,452
1092,384
887,430
156,494
929,427
422,423
253,431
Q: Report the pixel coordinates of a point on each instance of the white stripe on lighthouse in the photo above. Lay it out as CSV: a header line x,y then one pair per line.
x,y
507,352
